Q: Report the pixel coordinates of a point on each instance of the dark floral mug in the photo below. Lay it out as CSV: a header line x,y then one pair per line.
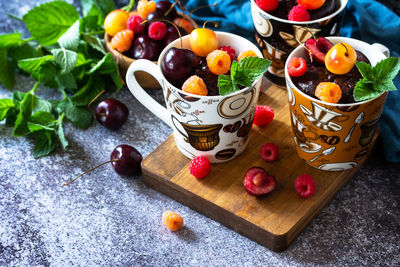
x,y
278,37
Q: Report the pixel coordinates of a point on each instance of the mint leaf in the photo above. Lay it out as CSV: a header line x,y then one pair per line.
x,y
22,52
10,40
384,86
387,69
44,143
20,127
226,85
93,21
115,76
106,65
89,91
41,120
239,76
41,69
364,90
79,116
42,117
94,42
66,81
40,104
254,67
49,21
365,70
34,127
377,79
244,73
70,39
5,106
29,104
60,131
65,58
6,70
106,6
17,97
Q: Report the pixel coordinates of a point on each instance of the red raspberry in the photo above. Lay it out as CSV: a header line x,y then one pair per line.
x,y
269,152
304,185
297,67
133,24
231,52
157,30
299,13
199,167
263,116
267,5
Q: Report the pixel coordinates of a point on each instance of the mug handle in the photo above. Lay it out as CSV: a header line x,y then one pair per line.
x,y
382,48
141,95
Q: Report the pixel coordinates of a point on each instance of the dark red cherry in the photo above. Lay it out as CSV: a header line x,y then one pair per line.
x,y
145,47
155,15
111,113
164,6
172,34
178,64
127,162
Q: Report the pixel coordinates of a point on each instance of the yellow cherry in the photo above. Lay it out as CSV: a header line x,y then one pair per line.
x,y
115,21
340,59
203,41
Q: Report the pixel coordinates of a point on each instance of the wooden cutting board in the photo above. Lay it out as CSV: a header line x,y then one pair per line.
x,y
273,220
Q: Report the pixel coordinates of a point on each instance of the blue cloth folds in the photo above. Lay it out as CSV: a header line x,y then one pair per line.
x,y
366,20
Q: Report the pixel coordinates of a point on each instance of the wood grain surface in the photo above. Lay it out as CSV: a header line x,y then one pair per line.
x,y
273,220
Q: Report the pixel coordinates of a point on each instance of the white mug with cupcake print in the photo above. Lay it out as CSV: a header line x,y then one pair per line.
x,y
213,126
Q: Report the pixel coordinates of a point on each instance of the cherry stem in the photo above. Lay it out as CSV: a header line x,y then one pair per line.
x,y
305,47
200,7
347,51
173,24
208,21
94,99
91,169
312,34
170,8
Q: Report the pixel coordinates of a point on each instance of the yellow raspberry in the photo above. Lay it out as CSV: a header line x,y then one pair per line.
x,y
248,53
195,85
219,62
328,92
173,221
122,41
144,8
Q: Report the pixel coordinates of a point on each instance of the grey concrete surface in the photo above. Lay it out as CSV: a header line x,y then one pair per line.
x,y
107,220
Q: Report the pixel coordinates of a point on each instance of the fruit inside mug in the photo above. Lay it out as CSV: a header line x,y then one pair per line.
x,y
202,64
127,38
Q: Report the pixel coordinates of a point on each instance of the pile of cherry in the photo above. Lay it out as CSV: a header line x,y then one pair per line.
x,y
138,39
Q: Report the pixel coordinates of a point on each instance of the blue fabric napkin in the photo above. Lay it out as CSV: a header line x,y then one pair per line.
x,y
365,20
373,22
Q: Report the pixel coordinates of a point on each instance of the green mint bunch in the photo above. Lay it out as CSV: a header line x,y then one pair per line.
x,y
376,80
65,52
243,73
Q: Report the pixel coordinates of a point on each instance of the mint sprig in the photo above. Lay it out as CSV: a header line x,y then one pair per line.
x,y
65,52
243,73
377,79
